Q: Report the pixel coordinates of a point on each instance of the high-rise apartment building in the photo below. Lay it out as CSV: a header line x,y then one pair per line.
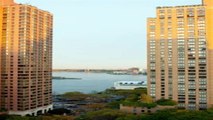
x,y
25,59
180,55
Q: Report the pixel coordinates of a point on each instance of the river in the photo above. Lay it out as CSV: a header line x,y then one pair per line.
x,y
89,82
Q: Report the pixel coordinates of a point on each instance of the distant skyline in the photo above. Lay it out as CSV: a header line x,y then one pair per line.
x,y
99,34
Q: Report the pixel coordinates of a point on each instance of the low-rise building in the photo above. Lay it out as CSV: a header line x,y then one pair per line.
x,y
141,110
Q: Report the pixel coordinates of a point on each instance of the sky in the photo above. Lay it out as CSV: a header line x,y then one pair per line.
x,y
108,34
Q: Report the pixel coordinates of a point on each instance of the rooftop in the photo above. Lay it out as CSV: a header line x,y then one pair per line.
x,y
160,7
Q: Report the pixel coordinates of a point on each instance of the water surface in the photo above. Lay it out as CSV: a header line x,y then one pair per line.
x,y
89,82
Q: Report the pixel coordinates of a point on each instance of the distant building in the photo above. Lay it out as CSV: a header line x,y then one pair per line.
x,y
134,71
129,85
26,59
180,55
144,71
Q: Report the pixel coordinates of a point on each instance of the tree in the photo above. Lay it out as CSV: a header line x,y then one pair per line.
x,y
166,102
146,98
105,114
96,106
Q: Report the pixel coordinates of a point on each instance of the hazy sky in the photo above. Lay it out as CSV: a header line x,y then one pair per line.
x,y
101,33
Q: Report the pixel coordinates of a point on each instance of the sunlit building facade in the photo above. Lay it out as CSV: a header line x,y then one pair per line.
x,y
25,59
180,55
